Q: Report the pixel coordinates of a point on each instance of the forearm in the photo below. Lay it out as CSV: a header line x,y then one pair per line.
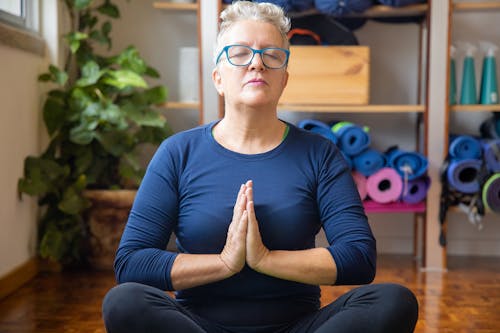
x,y
192,270
312,266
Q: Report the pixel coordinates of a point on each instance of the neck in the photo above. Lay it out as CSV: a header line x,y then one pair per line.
x,y
249,135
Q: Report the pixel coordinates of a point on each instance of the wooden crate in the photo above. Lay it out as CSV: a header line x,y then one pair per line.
x,y
322,75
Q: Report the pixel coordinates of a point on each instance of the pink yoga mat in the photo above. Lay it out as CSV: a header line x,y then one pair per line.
x,y
360,181
384,186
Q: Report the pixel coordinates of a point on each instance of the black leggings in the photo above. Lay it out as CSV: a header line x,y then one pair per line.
x,y
384,308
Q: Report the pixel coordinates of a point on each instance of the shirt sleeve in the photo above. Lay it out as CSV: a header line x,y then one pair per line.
x,y
142,256
350,239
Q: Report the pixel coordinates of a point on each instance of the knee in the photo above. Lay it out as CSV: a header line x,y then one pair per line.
x,y
400,303
122,303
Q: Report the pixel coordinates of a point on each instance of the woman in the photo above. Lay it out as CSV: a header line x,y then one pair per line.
x,y
246,197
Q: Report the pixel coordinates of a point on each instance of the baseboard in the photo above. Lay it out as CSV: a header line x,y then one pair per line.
x,y
19,276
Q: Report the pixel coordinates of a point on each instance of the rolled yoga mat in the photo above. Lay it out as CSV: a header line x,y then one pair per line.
x,y
368,161
360,181
319,127
384,186
464,147
491,154
409,165
352,139
491,193
415,190
462,175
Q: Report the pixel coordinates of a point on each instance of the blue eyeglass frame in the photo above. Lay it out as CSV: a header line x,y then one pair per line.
x,y
261,51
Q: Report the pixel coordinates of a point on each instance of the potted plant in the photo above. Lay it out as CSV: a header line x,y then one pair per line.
x,y
98,115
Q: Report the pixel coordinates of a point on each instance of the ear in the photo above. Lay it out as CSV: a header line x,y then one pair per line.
x,y
217,79
285,79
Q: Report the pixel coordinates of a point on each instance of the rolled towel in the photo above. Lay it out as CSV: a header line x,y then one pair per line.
x,y
464,147
360,181
368,161
384,186
416,190
462,175
409,165
352,139
491,154
491,193
342,7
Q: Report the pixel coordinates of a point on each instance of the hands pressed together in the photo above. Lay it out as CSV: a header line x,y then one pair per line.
x,y
243,242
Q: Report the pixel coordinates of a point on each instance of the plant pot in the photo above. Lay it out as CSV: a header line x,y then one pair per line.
x,y
106,219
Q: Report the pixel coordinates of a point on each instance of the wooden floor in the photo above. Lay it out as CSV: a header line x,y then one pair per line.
x,y
464,299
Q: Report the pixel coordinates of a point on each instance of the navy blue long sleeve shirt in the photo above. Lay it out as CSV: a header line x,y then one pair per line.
x,y
190,188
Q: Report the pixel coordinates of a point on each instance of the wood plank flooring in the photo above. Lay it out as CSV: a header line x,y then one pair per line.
x,y
464,299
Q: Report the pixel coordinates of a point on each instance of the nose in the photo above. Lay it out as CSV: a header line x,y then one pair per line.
x,y
256,63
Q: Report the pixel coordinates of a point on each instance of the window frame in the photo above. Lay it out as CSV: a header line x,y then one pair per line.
x,y
19,21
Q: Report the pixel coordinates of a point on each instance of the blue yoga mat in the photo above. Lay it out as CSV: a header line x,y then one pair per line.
x,y
462,175
464,147
491,154
368,161
319,127
341,7
352,139
409,164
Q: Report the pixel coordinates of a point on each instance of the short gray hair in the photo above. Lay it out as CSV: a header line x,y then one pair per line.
x,y
247,10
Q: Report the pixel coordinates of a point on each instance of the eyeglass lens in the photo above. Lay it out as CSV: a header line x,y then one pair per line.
x,y
242,55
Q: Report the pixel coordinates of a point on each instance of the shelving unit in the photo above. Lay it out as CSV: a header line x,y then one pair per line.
x,y
195,9
463,7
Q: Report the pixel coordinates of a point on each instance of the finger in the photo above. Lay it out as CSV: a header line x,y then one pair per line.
x,y
248,195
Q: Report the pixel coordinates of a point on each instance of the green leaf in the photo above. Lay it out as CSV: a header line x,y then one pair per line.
x,y
147,118
109,9
115,142
45,77
72,201
82,4
156,95
52,244
74,39
91,73
40,176
151,72
54,114
84,159
124,78
131,60
81,134
58,76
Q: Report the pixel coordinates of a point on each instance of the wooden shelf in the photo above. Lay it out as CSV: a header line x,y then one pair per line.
x,y
389,108
181,105
475,107
378,11
476,6
175,6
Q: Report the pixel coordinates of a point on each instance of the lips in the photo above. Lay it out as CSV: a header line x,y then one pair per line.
x,y
256,81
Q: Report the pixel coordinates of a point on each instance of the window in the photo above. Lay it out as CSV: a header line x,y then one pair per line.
x,y
20,13
19,25
13,12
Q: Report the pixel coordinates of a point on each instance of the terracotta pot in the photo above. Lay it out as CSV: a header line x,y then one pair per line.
x,y
106,220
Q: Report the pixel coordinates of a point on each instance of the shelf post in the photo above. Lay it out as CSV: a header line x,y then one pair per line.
x,y
437,128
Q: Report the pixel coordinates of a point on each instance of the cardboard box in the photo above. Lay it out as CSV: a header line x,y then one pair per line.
x,y
322,75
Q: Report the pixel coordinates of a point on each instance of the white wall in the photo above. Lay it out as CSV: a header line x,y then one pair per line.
x,y
394,55
19,133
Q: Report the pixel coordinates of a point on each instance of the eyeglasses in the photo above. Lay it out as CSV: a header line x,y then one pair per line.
x,y
242,55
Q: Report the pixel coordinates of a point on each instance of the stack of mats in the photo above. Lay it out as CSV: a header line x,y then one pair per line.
x,y
470,177
393,176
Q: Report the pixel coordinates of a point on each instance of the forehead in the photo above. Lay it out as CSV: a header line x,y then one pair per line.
x,y
251,32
